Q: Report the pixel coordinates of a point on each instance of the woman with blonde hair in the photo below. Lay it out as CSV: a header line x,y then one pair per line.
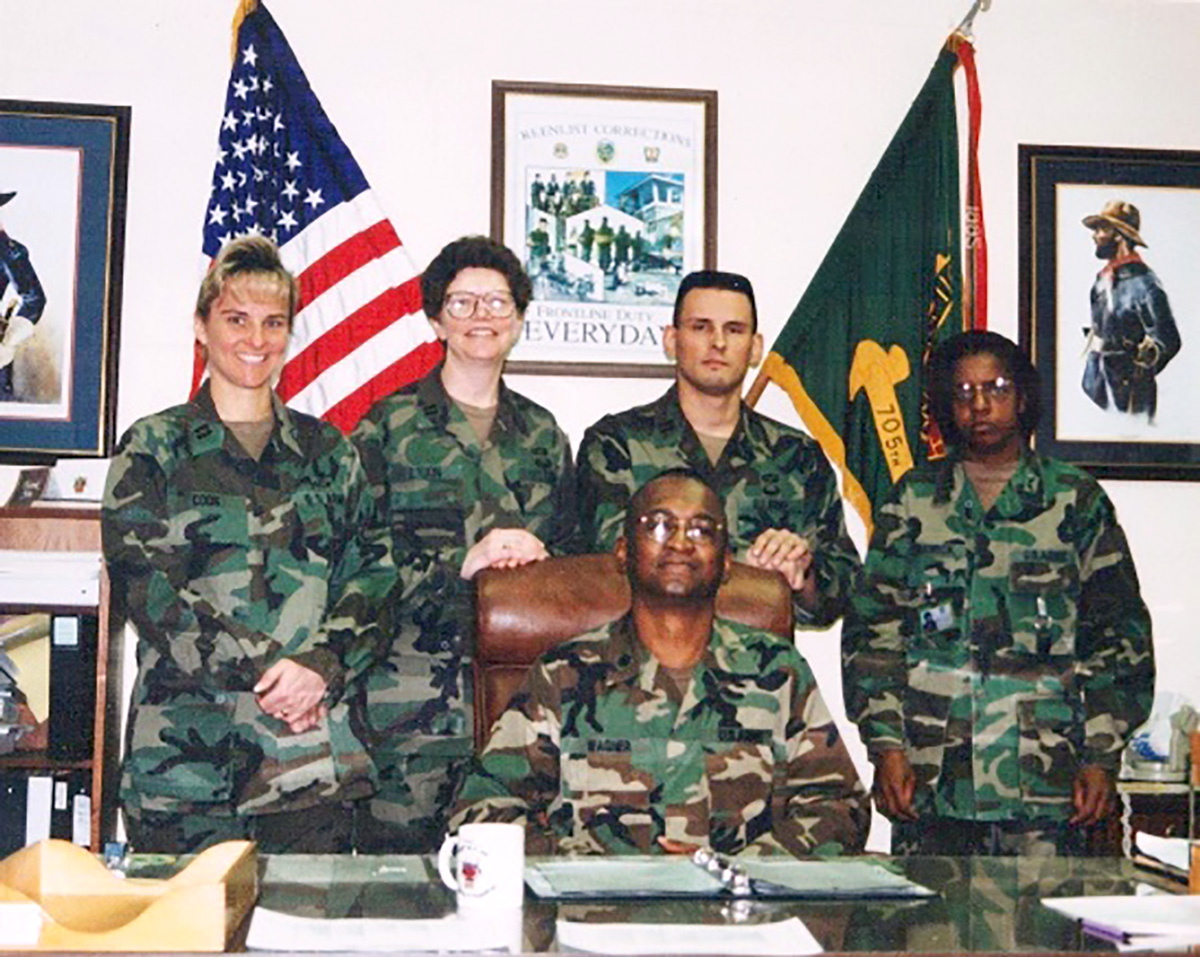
x,y
232,534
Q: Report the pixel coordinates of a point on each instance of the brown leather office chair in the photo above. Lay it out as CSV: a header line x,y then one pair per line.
x,y
522,612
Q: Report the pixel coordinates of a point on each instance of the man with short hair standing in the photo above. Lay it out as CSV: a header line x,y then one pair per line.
x,y
670,728
782,507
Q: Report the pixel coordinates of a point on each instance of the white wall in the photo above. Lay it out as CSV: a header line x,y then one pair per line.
x,y
810,94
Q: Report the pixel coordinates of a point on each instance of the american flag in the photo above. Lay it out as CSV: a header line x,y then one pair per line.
x,y
283,172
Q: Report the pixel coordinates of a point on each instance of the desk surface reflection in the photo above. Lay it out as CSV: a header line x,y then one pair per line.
x,y
983,904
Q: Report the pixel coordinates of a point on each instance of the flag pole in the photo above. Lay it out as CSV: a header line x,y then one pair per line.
x,y
978,7
757,388
974,236
243,10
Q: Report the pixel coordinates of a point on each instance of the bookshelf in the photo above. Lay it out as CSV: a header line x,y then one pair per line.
x,y
72,528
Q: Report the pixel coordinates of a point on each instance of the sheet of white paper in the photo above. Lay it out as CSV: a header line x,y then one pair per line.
x,y
272,930
50,578
20,923
1174,914
780,937
1172,851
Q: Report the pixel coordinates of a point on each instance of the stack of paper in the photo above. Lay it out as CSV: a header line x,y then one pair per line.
x,y
70,579
273,930
1155,921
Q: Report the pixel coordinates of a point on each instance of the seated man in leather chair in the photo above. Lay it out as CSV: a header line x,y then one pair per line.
x,y
670,728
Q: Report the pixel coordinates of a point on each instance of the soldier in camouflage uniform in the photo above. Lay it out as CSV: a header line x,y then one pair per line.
x,y
781,497
232,531
670,728
999,653
465,474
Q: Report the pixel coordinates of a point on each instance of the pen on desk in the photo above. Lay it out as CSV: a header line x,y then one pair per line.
x,y
1105,933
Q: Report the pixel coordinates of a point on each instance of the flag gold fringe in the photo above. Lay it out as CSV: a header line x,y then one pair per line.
x,y
783,375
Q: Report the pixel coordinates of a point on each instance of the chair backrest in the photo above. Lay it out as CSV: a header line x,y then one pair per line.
x,y
522,612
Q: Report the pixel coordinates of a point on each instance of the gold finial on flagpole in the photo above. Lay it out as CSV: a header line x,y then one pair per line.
x,y
243,10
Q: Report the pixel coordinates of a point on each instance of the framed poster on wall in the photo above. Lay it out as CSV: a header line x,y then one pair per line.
x,y
63,170
1108,286
608,195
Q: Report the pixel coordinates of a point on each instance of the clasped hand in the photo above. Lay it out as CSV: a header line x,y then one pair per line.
x,y
294,694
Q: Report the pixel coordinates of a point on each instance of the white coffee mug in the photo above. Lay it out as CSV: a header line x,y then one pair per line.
x,y
484,864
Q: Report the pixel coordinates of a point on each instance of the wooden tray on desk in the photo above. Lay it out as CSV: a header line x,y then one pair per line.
x,y
85,907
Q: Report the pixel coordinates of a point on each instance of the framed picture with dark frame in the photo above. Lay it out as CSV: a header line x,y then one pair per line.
x,y
1109,285
609,196
63,169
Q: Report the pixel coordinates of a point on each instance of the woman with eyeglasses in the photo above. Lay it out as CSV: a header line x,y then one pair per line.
x,y
466,475
998,654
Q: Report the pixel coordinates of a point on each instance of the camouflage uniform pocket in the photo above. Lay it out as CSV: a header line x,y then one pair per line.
x,y
315,525
1044,584
741,783
428,515
294,771
927,702
207,518
532,483
609,783
935,592
180,753
417,697
1047,753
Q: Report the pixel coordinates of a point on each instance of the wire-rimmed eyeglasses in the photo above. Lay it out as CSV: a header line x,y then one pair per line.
x,y
464,305
661,527
1000,387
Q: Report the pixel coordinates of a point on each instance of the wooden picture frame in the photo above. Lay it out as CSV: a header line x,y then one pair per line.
x,y
608,194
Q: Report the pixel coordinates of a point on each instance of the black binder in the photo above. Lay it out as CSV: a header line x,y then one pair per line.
x,y
73,641
13,795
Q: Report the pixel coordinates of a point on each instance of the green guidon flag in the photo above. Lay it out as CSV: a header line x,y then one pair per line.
x,y
851,355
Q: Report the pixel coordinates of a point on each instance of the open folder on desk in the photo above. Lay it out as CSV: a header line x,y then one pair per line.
x,y
625,877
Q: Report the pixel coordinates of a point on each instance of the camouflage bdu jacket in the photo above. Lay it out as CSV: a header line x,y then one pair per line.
x,y
1003,650
227,565
769,476
594,756
437,492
